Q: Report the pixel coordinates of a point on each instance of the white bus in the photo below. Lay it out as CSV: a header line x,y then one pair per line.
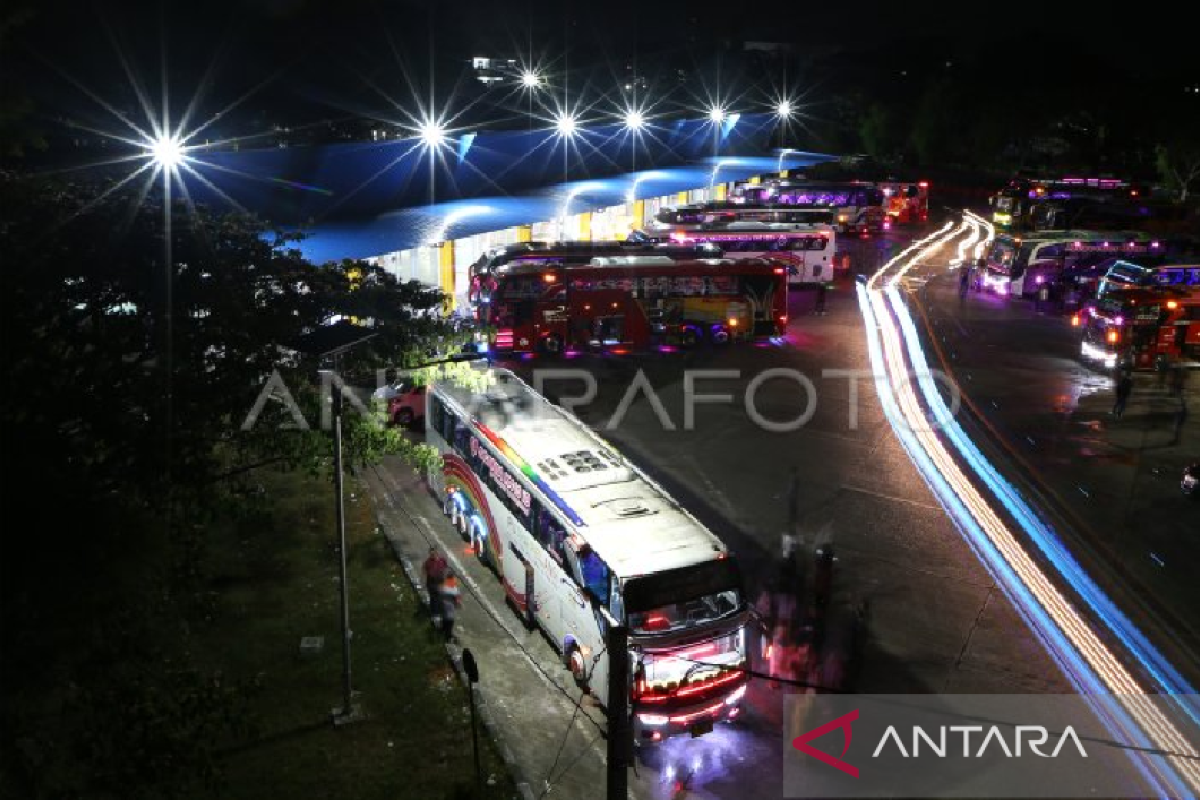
x,y
806,250
573,529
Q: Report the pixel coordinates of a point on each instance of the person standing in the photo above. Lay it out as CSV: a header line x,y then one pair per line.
x,y
821,290
1124,389
451,600
435,569
1180,418
964,282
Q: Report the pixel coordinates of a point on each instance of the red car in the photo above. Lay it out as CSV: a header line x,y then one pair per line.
x,y
406,407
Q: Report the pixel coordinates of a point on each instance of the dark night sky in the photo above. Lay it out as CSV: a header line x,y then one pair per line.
x,y
320,55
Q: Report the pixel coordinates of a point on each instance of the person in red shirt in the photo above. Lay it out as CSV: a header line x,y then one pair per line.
x,y
435,568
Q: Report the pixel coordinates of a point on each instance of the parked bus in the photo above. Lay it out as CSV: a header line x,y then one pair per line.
x,y
632,303
725,212
1027,203
858,207
577,536
905,203
1138,325
806,251
1018,265
484,271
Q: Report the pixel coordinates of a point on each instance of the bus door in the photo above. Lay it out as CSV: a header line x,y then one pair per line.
x,y
759,290
520,584
553,573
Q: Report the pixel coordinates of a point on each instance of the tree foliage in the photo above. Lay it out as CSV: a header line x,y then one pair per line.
x,y
134,349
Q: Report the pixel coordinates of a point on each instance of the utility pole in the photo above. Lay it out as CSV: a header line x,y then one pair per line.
x,y
348,712
620,745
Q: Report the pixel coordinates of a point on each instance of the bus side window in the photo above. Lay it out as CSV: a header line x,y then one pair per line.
x,y
462,444
616,602
594,573
437,411
552,536
449,426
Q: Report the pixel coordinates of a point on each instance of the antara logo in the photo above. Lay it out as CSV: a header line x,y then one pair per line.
x,y
1012,741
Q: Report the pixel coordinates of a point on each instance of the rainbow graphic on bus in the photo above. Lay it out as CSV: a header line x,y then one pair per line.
x,y
463,487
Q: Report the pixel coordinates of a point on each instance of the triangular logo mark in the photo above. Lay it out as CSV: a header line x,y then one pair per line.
x,y
843,722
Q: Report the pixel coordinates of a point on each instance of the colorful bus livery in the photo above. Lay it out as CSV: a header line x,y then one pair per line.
x,y
858,207
621,304
578,536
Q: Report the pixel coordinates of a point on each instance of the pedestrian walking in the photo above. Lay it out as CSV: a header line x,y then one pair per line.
x,y
1180,418
821,289
1161,366
451,600
435,569
1124,389
1178,377
964,283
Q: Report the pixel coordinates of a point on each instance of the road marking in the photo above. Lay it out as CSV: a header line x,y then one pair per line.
x,y
918,503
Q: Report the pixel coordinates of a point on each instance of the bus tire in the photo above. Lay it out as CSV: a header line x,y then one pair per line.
x,y
577,664
688,337
552,344
720,336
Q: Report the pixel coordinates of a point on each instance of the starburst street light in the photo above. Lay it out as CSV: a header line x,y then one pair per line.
x,y
566,125
783,109
432,133
716,114
167,151
530,79
634,120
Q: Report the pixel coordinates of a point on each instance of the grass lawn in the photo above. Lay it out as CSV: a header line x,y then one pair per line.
x,y
275,581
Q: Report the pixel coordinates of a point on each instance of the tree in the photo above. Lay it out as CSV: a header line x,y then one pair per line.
x,y
1178,163
877,131
123,430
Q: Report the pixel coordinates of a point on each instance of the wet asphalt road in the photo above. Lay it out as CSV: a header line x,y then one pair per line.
x,y
937,622
1112,484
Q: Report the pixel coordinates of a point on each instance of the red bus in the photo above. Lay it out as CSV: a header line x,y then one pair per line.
x,y
1138,326
633,303
905,202
485,271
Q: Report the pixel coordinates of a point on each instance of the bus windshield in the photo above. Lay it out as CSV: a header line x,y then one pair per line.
x,y
682,598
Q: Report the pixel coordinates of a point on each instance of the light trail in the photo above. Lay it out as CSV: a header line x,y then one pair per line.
x,y
1092,667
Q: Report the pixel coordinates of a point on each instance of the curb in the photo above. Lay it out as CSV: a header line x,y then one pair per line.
x,y
455,655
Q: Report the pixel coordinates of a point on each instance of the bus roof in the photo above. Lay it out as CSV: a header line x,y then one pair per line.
x,y
653,265
627,518
733,229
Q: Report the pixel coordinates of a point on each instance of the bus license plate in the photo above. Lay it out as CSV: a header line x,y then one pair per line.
x,y
701,728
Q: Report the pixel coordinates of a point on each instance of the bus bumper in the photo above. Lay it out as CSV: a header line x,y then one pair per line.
x,y
652,725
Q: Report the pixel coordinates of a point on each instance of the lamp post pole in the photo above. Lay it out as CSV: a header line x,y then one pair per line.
x,y
348,712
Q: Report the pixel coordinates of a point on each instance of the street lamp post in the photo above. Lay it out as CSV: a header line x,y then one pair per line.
x,y
348,712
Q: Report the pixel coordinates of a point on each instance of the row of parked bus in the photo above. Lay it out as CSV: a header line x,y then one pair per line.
x,y
1135,297
716,272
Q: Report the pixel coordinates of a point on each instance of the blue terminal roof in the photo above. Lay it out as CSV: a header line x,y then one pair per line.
x,y
407,228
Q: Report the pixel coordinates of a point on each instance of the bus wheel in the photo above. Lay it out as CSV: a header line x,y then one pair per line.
x,y
578,666
720,336
552,344
688,338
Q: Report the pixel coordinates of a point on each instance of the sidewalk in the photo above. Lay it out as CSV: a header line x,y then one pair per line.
x,y
525,696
